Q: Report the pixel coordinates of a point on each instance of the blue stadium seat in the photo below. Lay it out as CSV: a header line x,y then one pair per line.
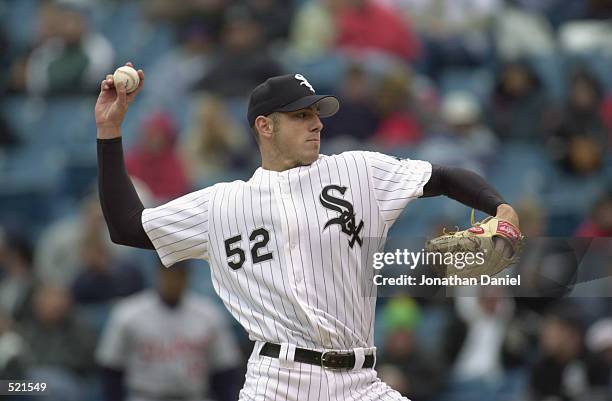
x,y
568,193
78,178
522,169
476,81
27,207
132,36
117,24
29,180
551,70
24,115
59,121
324,73
237,108
18,21
510,387
597,62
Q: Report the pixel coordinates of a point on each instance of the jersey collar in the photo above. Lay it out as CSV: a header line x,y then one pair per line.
x,y
262,174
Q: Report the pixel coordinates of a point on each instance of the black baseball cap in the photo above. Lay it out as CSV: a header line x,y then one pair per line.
x,y
288,93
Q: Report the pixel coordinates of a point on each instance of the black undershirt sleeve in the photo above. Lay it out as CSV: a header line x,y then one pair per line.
x,y
120,203
463,186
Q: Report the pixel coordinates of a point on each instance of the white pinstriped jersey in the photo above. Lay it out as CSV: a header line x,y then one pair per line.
x,y
285,247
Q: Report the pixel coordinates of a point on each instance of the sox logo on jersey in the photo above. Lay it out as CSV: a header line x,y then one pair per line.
x,y
347,216
280,261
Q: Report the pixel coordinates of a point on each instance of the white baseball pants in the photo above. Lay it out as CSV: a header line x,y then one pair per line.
x,y
269,379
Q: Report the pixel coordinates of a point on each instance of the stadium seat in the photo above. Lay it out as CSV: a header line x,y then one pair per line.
x,y
551,70
18,22
476,81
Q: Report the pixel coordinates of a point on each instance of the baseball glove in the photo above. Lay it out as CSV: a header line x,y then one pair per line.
x,y
453,249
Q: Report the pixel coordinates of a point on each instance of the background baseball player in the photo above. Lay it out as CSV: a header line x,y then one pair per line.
x,y
167,344
286,246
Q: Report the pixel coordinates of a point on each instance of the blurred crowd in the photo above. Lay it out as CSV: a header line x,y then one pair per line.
x,y
519,91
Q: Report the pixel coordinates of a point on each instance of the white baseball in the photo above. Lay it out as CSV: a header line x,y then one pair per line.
x,y
127,75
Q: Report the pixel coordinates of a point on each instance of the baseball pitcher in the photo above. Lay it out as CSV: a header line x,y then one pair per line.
x,y
285,247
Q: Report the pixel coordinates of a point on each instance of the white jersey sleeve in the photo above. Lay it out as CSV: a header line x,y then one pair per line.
x,y
396,182
179,229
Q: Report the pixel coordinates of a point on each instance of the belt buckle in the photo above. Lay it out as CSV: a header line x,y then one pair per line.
x,y
328,356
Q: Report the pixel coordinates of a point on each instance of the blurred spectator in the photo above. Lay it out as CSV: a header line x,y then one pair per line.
x,y
532,216
207,13
398,110
274,16
519,104
358,119
103,278
585,38
14,353
401,364
244,61
534,38
4,61
455,32
486,318
183,66
521,338
599,9
464,140
559,372
606,115
365,25
45,24
548,269
556,11
16,276
583,156
56,258
548,266
62,345
215,143
57,337
70,58
579,140
599,223
8,139
312,31
168,344
155,159
563,11
599,360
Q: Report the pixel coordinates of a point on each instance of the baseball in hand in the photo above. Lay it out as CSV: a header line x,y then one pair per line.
x,y
128,76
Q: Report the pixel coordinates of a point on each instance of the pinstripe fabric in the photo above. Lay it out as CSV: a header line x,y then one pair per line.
x,y
266,380
297,281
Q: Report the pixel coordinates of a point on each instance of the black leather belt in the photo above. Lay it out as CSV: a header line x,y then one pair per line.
x,y
328,359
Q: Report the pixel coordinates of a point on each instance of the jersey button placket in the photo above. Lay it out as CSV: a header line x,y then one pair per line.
x,y
292,243
288,225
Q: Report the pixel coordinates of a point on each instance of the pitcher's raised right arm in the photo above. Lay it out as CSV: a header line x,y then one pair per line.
x,y
120,203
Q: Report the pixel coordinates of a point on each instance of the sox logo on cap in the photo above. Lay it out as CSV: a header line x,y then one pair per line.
x,y
304,81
